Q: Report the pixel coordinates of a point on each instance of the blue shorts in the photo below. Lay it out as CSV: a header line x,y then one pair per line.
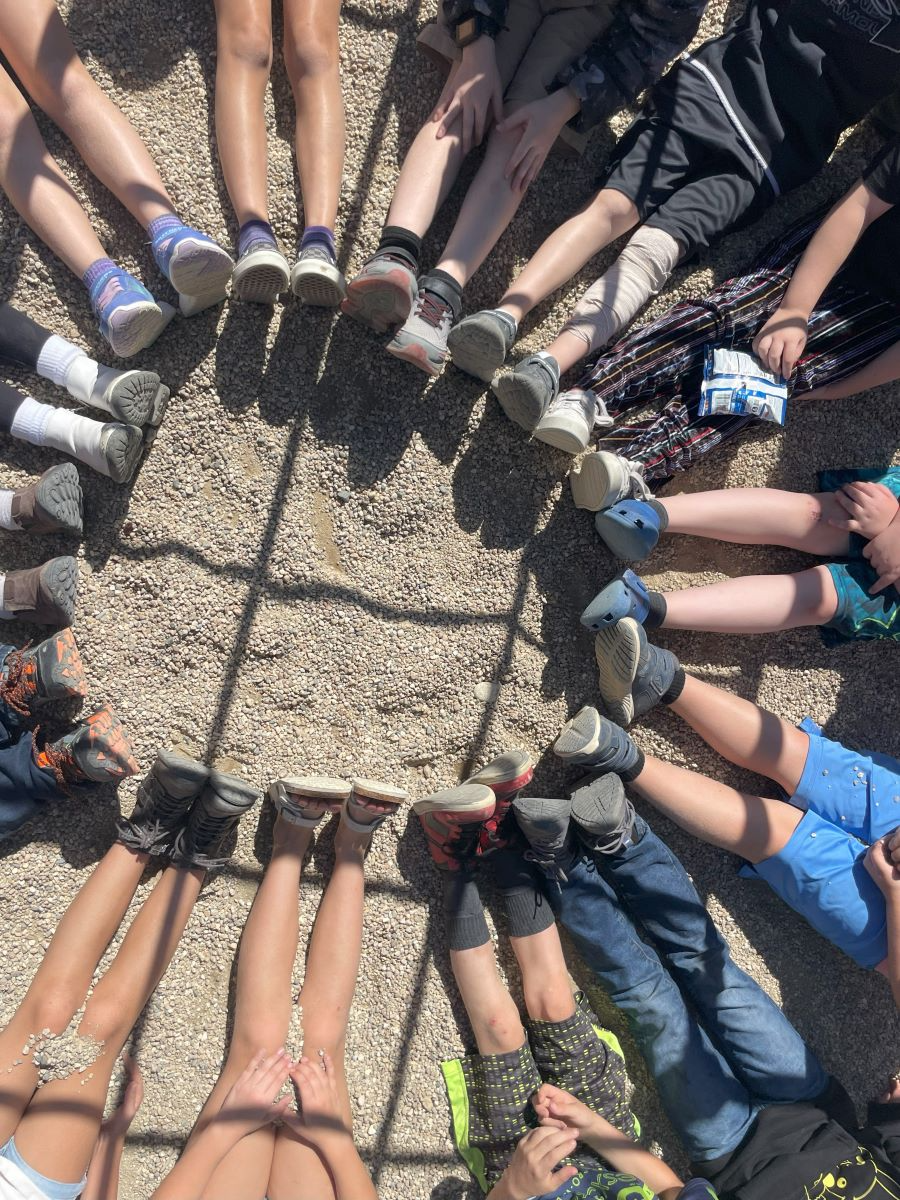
x,y
858,614
50,1188
851,798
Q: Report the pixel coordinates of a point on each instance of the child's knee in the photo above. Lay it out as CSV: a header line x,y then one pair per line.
x,y
53,1009
309,54
62,95
819,594
246,45
550,1001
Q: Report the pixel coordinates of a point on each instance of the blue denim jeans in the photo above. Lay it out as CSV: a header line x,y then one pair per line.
x,y
718,1048
24,786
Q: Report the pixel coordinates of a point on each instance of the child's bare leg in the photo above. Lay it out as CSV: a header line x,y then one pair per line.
x,y
59,1129
568,249
491,1009
748,825
40,51
61,982
243,62
545,976
37,188
755,603
744,733
428,173
761,517
312,57
568,349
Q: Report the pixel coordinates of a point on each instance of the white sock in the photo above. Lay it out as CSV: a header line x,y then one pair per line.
x,y
30,421
56,358
5,614
81,378
6,518
60,429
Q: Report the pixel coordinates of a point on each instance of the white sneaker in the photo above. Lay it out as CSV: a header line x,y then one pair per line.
x,y
568,422
602,479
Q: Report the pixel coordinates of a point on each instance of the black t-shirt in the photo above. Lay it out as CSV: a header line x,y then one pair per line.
x,y
873,265
807,1152
799,72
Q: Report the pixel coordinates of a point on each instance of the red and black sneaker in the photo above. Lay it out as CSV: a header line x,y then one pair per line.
x,y
51,670
505,775
97,750
452,822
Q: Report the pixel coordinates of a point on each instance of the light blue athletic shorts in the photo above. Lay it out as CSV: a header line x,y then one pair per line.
x,y
851,798
50,1188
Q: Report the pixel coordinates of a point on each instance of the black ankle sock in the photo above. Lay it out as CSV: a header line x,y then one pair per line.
x,y
463,911
657,613
632,773
404,242
445,287
676,687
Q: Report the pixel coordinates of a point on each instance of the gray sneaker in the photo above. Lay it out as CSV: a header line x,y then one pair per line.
x,y
634,675
569,421
316,278
527,392
214,817
382,294
479,344
422,339
121,447
132,397
164,800
602,813
594,741
545,827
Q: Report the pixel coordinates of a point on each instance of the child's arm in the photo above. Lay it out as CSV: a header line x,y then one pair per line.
x,y
103,1173
883,369
781,340
881,863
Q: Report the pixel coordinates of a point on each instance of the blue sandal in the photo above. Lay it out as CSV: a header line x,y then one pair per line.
x,y
626,596
631,528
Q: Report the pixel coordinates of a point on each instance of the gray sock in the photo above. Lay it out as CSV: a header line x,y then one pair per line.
x,y
463,911
518,882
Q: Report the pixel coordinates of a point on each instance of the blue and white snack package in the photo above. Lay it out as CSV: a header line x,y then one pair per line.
x,y
736,382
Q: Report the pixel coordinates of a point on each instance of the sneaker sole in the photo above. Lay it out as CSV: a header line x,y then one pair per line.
x,y
316,787
591,814
617,650
132,397
600,481
188,774
508,771
198,269
318,284
479,350
474,798
58,493
382,303
59,585
520,399
59,667
326,793
384,793
122,446
565,434
233,793
135,326
417,355
113,759
260,277
580,736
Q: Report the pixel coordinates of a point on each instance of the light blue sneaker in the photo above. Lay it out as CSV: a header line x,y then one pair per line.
x,y
129,317
626,596
631,528
196,266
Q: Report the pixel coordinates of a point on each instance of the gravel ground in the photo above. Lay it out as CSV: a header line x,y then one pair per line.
x,y
325,565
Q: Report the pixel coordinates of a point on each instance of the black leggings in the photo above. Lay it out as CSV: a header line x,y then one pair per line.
x,y
21,339
10,400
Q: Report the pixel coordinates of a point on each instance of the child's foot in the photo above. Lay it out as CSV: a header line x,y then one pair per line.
x,y
480,343
602,813
51,505
96,750
305,800
545,826
369,804
45,595
505,775
631,528
569,421
163,802
382,294
594,741
627,596
51,670
603,479
452,822
196,266
214,817
130,319
422,339
526,392
634,675
316,278
261,272
132,397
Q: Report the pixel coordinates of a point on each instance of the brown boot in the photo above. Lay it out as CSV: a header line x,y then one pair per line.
x,y
51,505
45,595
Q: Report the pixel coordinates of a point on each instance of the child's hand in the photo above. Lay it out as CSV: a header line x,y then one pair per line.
x,y
882,860
472,94
119,1120
552,1104
870,508
531,1168
782,340
892,1094
320,1115
538,124
883,553
253,1098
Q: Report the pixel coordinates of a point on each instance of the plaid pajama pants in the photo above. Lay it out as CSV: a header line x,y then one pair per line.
x,y
662,363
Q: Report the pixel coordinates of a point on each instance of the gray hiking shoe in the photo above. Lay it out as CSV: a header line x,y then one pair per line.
x,y
569,421
596,742
382,294
422,339
164,800
545,826
45,595
213,819
132,397
51,505
634,675
526,392
602,814
480,343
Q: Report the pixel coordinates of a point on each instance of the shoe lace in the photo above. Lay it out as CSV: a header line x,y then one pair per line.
x,y
578,400
431,309
60,761
18,687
